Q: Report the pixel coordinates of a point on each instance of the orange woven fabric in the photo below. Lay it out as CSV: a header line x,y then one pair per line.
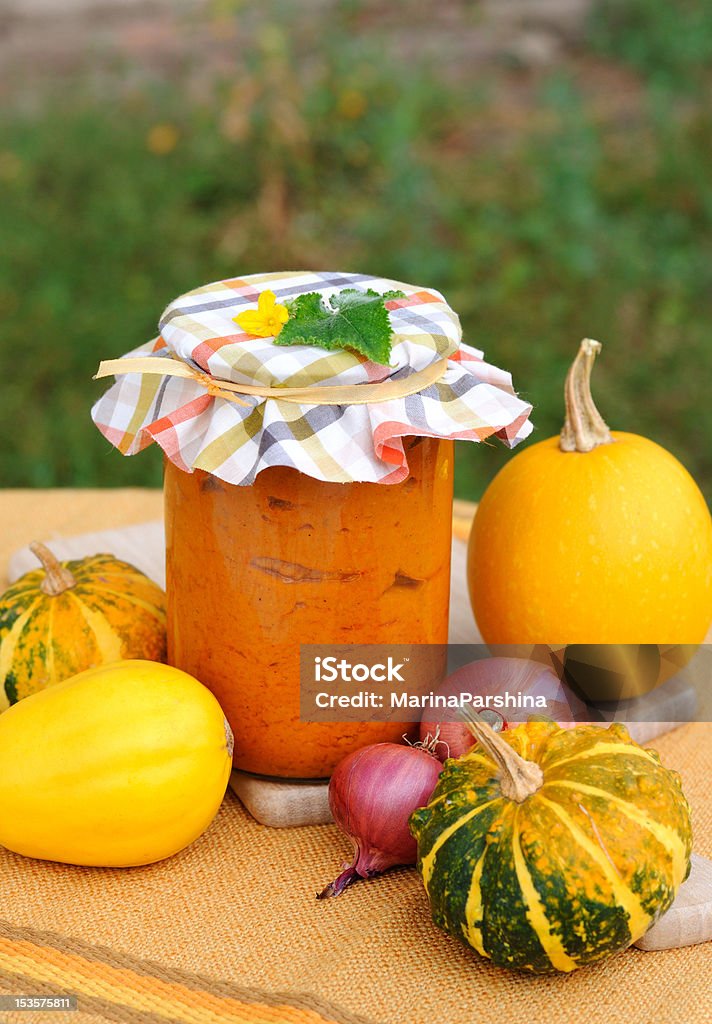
x,y
112,986
238,907
234,916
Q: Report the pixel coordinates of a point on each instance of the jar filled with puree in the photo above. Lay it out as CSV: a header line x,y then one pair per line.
x,y
307,421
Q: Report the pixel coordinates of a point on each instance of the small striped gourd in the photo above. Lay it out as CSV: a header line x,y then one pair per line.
x,y
70,616
546,848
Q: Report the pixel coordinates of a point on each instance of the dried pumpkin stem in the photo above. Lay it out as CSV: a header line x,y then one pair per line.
x,y
58,578
584,427
518,778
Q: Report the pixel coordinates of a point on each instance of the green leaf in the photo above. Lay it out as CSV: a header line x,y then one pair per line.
x,y
352,319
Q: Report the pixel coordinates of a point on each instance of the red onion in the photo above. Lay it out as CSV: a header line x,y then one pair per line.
x,y
372,794
490,677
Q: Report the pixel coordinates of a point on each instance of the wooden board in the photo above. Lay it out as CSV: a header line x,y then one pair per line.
x,y
283,804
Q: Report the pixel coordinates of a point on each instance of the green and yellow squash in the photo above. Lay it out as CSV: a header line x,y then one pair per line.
x,y
70,616
546,848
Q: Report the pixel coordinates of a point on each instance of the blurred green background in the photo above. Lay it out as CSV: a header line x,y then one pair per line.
x,y
549,174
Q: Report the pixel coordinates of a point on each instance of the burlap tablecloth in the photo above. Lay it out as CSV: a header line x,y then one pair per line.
x,y
204,935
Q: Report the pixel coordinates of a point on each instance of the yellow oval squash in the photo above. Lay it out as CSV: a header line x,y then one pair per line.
x,y
70,616
121,765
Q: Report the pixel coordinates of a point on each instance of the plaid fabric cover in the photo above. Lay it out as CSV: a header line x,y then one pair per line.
x,y
472,401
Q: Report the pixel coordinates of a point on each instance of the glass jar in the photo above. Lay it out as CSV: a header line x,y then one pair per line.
x,y
255,571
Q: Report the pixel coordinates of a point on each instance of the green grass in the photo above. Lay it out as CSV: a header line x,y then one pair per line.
x,y
669,43
339,156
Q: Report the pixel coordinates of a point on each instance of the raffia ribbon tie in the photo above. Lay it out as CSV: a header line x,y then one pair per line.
x,y
214,389
338,394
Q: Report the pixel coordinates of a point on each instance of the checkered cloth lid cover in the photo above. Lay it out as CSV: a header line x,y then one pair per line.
x,y
344,443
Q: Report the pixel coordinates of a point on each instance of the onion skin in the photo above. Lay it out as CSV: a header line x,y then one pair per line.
x,y
491,676
372,794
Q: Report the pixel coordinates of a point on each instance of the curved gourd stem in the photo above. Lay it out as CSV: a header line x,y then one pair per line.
x,y
518,778
57,578
584,427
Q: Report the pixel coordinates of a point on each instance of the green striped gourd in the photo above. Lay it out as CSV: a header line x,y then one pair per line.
x,y
70,616
546,848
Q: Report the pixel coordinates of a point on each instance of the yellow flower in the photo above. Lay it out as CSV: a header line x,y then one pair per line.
x,y
267,320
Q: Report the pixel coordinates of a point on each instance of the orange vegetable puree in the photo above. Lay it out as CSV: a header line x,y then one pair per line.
x,y
253,572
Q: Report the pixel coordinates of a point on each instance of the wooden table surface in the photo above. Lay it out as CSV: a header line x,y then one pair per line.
x,y
27,515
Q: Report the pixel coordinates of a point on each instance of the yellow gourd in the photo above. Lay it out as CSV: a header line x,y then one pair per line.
x,y
121,765
70,616
594,537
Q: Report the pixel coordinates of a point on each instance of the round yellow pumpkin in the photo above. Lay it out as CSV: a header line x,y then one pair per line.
x,y
596,537
70,616
121,765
